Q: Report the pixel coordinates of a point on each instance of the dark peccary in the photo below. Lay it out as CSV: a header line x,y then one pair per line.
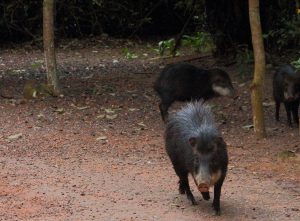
x,y
286,89
185,82
195,147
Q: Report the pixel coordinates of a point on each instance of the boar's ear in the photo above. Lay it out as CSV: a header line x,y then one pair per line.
x,y
193,141
220,141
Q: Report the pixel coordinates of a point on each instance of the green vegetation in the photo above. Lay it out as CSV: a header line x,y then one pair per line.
x,y
296,64
200,42
285,35
129,55
166,45
217,26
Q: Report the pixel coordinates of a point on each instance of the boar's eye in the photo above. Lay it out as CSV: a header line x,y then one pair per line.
x,y
196,161
211,147
218,82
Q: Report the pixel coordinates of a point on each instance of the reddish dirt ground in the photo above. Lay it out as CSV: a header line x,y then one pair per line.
x,y
71,162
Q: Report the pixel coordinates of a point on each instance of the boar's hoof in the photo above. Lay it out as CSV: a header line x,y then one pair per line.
x,y
218,213
192,199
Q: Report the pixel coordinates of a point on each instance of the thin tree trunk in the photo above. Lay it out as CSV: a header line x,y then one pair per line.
x,y
259,70
297,5
49,49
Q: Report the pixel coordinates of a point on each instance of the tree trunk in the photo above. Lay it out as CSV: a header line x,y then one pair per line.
x,y
259,70
49,48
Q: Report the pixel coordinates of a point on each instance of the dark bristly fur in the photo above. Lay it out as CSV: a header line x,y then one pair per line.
x,y
195,120
184,82
286,80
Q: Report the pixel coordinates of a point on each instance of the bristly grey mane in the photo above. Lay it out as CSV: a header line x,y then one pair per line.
x,y
193,120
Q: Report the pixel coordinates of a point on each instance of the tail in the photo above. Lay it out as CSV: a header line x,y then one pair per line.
x,y
157,86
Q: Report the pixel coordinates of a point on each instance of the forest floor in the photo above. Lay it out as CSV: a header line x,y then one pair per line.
x,y
97,153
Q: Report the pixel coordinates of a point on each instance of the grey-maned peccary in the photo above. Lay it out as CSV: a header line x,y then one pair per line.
x,y
184,82
195,147
286,89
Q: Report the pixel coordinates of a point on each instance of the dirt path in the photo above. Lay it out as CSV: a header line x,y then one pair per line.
x,y
70,162
137,188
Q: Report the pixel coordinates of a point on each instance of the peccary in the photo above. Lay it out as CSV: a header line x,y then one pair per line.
x,y
184,82
195,147
286,89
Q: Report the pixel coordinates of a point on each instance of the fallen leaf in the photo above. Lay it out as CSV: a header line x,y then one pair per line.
x,y
101,138
83,108
285,154
109,111
89,76
133,109
101,116
248,126
15,136
142,124
111,117
147,97
59,110
268,104
230,167
41,116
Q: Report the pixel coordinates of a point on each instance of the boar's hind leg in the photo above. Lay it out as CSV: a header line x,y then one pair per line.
x,y
277,103
288,113
295,108
163,107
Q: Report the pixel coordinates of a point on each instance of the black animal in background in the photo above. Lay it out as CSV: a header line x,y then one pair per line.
x,y
286,90
184,82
